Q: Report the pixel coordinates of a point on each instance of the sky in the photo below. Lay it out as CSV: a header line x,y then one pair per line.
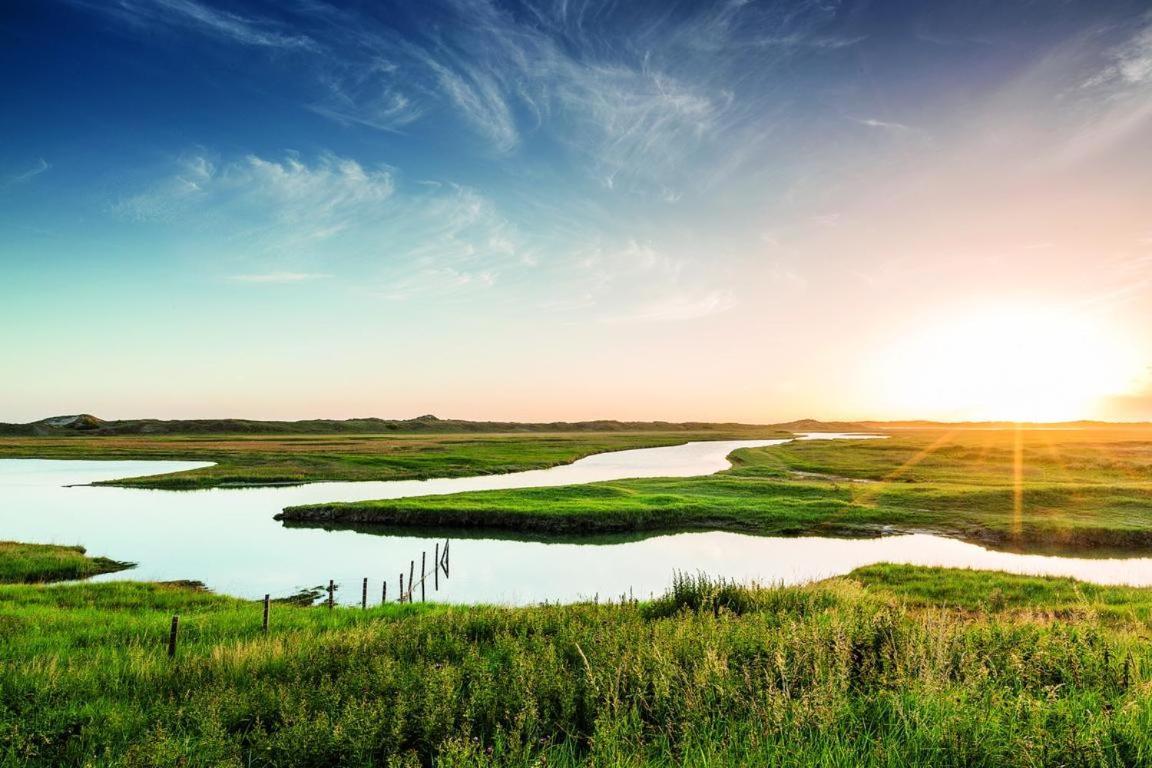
x,y
743,210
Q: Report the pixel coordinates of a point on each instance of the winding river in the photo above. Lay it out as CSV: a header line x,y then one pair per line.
x,y
228,539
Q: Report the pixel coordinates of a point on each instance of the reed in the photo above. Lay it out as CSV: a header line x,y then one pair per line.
x,y
847,672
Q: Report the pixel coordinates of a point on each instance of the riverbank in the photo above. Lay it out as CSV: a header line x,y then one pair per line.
x,y
22,563
1067,490
911,666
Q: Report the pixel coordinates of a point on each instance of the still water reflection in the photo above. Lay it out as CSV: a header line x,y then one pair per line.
x,y
228,539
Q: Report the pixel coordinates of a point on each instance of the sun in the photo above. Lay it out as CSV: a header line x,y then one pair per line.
x,y
1009,363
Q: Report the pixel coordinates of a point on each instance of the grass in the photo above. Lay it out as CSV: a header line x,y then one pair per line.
x,y
889,666
288,459
37,563
992,592
877,669
1071,489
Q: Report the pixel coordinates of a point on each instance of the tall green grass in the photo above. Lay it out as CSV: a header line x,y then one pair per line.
x,y
35,563
712,673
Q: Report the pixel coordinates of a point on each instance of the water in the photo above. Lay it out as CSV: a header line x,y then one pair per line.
x,y
228,539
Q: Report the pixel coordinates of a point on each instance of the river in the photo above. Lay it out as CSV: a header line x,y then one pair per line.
x,y
228,538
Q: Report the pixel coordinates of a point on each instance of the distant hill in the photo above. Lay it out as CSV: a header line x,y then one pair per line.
x,y
86,424
815,425
891,425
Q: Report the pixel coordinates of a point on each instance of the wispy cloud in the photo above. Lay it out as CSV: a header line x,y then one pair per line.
x,y
321,197
1130,63
340,219
278,277
888,125
202,17
1113,103
481,101
679,307
21,177
633,96
365,95
434,281
638,282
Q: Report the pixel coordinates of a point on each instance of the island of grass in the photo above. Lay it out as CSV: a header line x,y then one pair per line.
x,y
250,453
37,563
1065,489
887,666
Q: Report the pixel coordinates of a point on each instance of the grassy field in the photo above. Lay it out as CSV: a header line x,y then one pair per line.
x,y
282,459
1063,489
890,666
36,563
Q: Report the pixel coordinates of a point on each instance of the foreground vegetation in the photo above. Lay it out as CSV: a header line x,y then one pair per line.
x,y
1073,488
891,666
37,563
242,460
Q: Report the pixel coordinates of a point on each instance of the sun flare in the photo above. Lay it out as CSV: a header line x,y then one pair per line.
x,y
1010,364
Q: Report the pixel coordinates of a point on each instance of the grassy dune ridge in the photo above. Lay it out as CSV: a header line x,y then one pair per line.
x,y
1074,488
856,671
89,425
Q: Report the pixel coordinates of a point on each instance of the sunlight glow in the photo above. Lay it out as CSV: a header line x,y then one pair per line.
x,y
1010,364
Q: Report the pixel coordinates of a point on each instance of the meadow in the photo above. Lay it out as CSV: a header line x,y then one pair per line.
x,y
1068,489
284,459
889,666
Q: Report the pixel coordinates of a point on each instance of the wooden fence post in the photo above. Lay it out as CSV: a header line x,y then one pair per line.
x,y
364,594
423,573
267,600
436,569
411,578
172,633
400,597
331,594
384,593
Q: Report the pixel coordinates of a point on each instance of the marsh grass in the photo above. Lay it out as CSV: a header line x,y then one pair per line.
x,y
1078,490
254,460
36,563
712,673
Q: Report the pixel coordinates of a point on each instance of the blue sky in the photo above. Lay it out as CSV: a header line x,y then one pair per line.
x,y
566,209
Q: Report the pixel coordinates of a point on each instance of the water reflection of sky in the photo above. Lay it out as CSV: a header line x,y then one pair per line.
x,y
228,539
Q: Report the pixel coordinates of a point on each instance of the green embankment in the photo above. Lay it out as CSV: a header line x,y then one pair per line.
x,y
886,667
1081,488
35,563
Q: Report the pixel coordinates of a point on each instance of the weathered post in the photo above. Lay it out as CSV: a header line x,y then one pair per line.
x,y
423,573
364,594
436,569
400,597
267,601
411,578
172,633
384,593
331,594
445,558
